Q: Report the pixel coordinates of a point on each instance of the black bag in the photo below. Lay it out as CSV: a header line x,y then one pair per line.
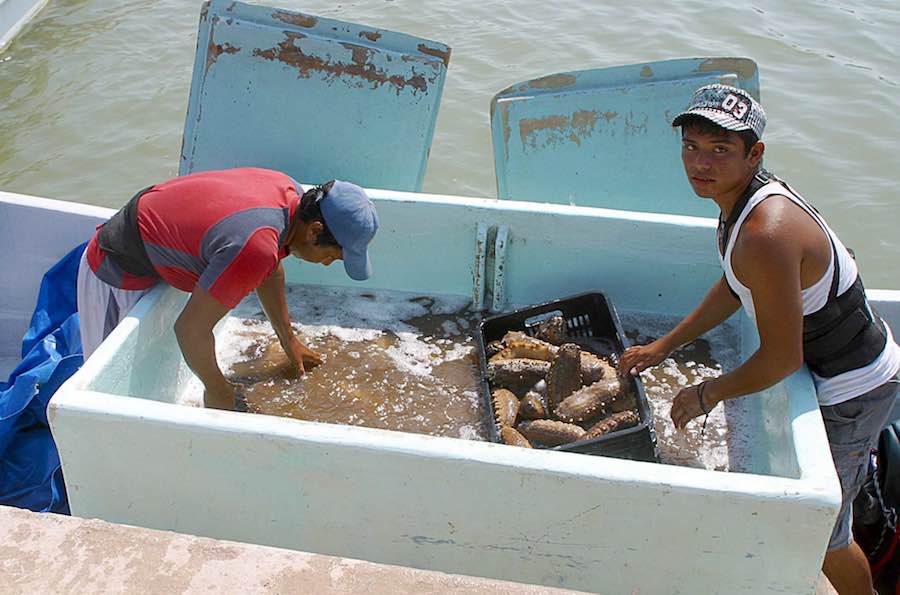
x,y
875,512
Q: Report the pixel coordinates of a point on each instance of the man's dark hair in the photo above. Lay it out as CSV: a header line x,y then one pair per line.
x,y
309,210
704,126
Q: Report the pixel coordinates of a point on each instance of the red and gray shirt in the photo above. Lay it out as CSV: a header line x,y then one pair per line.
x,y
222,230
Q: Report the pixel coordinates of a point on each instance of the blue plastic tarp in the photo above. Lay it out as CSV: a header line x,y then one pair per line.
x,y
30,474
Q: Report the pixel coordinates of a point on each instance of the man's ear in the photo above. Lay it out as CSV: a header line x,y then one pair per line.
x,y
313,230
756,152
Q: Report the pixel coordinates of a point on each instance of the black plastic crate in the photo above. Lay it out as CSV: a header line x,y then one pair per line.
x,y
591,323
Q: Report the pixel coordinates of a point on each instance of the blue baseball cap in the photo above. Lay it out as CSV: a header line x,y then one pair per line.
x,y
352,220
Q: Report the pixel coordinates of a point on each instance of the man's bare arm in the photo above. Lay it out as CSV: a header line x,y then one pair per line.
x,y
767,260
272,297
194,331
716,307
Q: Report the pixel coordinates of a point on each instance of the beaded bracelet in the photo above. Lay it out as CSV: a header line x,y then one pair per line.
x,y
700,388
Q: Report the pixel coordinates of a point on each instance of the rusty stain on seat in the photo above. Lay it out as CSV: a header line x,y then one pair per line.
x,y
293,18
579,125
741,66
290,54
215,50
553,81
370,35
442,55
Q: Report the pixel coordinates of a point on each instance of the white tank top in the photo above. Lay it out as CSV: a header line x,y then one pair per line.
x,y
842,387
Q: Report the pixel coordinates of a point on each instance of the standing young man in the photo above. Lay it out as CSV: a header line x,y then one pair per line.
x,y
800,285
220,235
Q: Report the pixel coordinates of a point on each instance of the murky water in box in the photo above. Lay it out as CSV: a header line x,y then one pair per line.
x,y
408,362
720,446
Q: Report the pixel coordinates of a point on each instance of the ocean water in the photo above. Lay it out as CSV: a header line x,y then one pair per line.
x,y
93,92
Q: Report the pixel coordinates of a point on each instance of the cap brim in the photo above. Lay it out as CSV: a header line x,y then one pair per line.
x,y
724,120
357,264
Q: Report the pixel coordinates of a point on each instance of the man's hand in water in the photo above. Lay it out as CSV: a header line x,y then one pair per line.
x,y
688,404
639,357
301,356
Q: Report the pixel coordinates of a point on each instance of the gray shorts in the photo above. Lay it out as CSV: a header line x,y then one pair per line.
x,y
853,428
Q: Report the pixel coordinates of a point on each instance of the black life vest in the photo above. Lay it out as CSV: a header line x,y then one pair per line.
x,y
845,334
120,239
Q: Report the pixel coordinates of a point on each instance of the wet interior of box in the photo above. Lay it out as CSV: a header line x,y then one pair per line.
x,y
409,362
